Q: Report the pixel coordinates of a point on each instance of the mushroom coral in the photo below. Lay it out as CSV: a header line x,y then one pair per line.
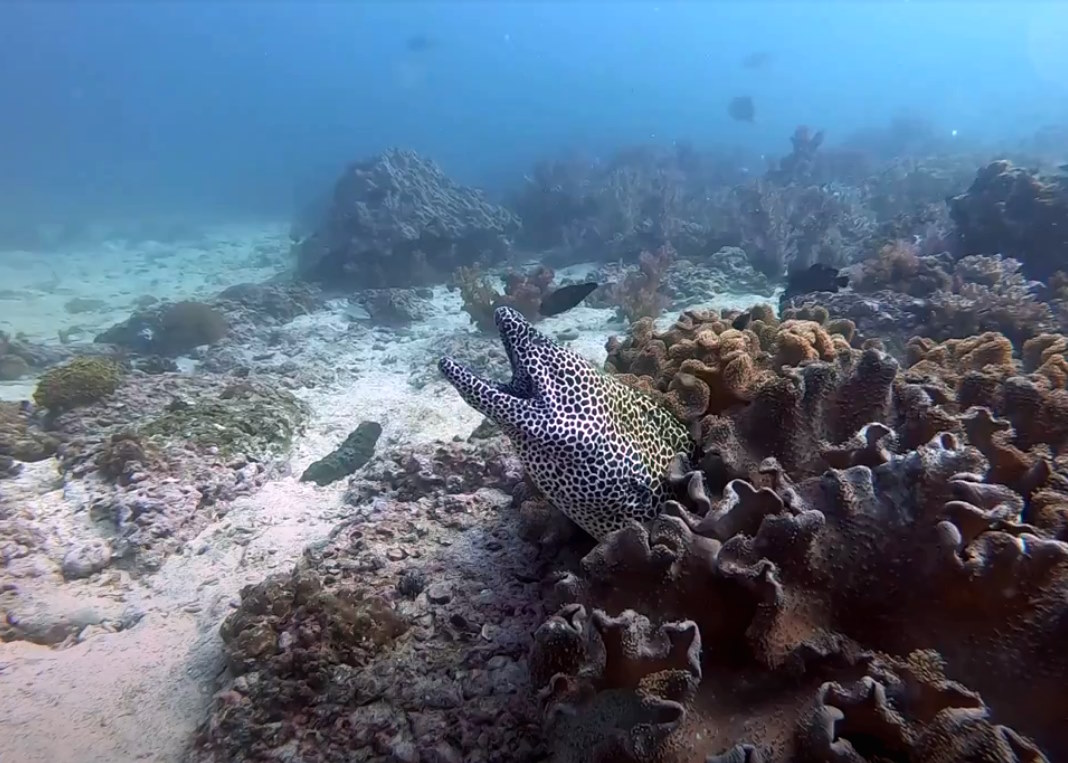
x,y
868,565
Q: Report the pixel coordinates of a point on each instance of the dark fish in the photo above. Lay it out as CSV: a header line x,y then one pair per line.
x,y
419,43
756,60
565,298
741,109
818,277
352,454
741,321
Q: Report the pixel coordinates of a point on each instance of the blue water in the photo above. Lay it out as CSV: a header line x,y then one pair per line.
x,y
232,108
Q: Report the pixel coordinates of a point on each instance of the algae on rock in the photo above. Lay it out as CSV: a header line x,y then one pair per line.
x,y
249,418
82,381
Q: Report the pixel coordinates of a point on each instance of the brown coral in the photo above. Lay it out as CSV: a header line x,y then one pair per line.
x,y
639,295
865,568
702,365
899,267
522,291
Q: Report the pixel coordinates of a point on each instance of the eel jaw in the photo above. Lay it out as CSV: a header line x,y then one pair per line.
x,y
511,327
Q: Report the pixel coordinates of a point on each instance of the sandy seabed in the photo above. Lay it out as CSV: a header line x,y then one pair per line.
x,y
139,693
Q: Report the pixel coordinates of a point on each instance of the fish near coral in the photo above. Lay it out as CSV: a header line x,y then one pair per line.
x,y
597,448
566,297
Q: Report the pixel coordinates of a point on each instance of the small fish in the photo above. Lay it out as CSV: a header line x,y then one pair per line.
x,y
756,60
419,43
741,321
741,109
565,298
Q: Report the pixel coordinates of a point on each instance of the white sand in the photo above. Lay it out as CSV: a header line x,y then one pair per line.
x,y
139,694
35,287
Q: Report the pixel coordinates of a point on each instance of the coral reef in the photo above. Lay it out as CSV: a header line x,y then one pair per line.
x,y
349,456
398,220
988,293
702,365
902,293
81,381
899,267
637,200
793,227
1012,211
169,329
232,317
837,578
688,283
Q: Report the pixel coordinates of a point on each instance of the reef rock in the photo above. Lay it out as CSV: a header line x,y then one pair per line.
x,y
1012,211
398,221
154,458
405,633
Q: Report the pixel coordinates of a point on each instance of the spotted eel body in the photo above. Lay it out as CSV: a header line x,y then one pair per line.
x,y
597,448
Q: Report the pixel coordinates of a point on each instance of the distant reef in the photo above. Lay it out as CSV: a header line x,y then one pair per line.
x,y
398,220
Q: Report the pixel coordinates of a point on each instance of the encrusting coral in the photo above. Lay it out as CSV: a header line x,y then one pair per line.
x,y
868,564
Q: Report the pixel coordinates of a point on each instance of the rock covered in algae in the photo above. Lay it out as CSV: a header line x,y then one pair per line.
x,y
245,417
353,453
82,381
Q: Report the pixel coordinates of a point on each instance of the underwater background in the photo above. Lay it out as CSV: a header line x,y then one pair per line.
x,y
218,110
449,382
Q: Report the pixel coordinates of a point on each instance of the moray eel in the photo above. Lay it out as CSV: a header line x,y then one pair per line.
x,y
598,449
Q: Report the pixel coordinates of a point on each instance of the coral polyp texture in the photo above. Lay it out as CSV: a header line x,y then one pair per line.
x,y
398,220
867,563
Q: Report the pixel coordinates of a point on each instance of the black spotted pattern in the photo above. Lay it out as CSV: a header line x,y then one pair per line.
x,y
597,448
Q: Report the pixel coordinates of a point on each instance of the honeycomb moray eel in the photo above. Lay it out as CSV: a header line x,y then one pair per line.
x,y
598,449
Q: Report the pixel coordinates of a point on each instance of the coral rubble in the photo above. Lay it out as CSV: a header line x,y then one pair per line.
x,y
153,459
403,636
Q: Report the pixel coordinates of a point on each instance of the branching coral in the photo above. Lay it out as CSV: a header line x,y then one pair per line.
x,y
988,293
792,227
866,567
640,293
